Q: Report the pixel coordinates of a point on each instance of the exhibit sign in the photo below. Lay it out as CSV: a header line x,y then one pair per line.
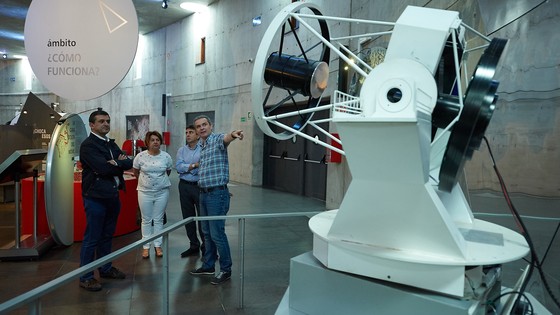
x,y
81,49
62,156
41,117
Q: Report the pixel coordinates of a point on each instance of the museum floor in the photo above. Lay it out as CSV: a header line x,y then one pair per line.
x,y
270,243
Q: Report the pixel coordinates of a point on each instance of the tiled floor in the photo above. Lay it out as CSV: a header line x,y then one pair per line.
x,y
270,243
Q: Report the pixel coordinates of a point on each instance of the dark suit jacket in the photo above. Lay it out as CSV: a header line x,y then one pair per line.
x,y
98,176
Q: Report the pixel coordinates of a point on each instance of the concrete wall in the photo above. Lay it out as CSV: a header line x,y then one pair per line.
x,y
523,132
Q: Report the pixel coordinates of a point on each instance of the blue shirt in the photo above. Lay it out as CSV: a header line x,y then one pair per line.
x,y
185,157
214,165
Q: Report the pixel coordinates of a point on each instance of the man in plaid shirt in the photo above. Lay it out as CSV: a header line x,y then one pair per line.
x,y
214,197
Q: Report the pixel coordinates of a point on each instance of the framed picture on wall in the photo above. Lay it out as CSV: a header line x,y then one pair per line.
x,y
137,126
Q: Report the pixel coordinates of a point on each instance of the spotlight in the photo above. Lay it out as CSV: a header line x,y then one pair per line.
x,y
5,56
164,4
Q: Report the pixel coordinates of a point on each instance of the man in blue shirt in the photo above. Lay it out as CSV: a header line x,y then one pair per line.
x,y
187,167
214,197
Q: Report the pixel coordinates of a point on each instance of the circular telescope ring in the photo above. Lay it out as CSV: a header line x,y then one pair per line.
x,y
478,106
261,109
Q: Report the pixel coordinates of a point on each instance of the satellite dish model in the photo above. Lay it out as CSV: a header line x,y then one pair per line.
x,y
404,220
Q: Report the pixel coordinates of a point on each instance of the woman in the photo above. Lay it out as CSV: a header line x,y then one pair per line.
x,y
152,168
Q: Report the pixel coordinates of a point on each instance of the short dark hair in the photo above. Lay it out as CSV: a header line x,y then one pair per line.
x,y
149,134
97,113
191,127
203,116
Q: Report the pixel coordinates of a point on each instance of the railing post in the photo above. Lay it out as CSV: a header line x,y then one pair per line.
x,y
35,217
165,271
241,260
34,307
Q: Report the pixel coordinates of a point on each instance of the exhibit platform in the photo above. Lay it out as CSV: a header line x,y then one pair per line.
x,y
315,289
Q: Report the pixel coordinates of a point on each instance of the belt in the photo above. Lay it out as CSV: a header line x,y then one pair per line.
x,y
190,183
211,189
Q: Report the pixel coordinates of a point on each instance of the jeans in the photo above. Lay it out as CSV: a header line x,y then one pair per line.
x,y
101,222
214,203
152,206
189,195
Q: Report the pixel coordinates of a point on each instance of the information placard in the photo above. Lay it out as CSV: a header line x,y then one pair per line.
x,y
81,49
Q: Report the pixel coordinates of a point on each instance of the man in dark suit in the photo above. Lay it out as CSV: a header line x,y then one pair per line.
x,y
103,166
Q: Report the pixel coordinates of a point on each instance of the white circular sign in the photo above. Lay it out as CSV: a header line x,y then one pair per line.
x,y
81,49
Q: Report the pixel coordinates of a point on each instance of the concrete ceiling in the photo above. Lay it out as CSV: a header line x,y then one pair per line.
x,y
151,17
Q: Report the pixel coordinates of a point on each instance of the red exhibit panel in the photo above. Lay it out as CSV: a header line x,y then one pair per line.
x,y
127,217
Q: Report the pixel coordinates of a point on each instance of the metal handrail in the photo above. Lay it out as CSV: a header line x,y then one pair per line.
x,y
32,297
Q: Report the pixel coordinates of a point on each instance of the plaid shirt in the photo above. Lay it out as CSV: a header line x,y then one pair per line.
x,y
214,165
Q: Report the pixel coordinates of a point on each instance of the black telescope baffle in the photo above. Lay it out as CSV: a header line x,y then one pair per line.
x,y
22,164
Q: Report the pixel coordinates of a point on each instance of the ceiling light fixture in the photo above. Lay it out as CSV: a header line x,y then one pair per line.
x,y
5,56
164,4
193,7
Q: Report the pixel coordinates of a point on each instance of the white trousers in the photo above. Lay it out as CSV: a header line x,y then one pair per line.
x,y
152,206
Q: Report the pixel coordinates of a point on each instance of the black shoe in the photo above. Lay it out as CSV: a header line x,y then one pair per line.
x,y
189,252
202,271
113,273
221,277
91,285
